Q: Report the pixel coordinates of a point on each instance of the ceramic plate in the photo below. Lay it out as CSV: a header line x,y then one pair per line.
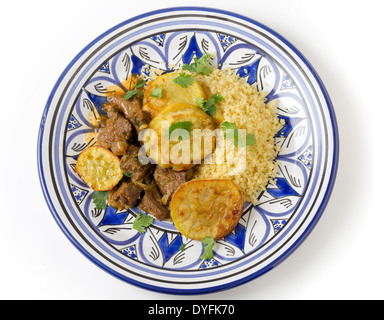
x,y
267,233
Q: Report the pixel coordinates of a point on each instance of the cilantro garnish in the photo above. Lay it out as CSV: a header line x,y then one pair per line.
x,y
100,198
184,80
229,126
208,243
129,94
250,139
141,222
186,125
182,247
128,174
200,65
157,93
140,83
209,105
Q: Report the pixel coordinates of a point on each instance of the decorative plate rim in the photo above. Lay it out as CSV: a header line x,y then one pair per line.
x,y
283,255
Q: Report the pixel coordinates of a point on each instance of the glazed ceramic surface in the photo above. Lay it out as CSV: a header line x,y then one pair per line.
x,y
267,233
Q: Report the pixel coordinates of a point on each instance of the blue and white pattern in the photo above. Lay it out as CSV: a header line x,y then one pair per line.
x,y
287,209
171,50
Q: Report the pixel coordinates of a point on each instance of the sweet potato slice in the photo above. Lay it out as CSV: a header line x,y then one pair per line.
x,y
99,168
206,208
172,156
171,93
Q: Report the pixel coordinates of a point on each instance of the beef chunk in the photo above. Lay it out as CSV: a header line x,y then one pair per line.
x,y
130,163
115,134
124,196
169,180
151,203
131,109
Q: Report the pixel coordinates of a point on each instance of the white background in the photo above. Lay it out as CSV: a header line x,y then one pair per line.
x,y
341,259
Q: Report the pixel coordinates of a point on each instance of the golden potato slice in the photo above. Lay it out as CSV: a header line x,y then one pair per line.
x,y
173,149
99,168
206,208
171,93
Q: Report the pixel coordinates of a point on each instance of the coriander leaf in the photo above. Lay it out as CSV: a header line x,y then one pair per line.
x,y
186,125
228,125
209,106
184,80
156,93
99,198
200,65
141,222
128,174
140,83
129,94
182,247
200,102
216,97
208,243
231,126
250,139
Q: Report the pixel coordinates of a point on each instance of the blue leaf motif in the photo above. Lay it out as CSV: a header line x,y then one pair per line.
x,y
169,249
149,247
111,217
175,46
268,76
238,237
150,54
296,140
249,71
239,55
192,50
121,67
257,230
283,189
98,102
289,104
137,65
